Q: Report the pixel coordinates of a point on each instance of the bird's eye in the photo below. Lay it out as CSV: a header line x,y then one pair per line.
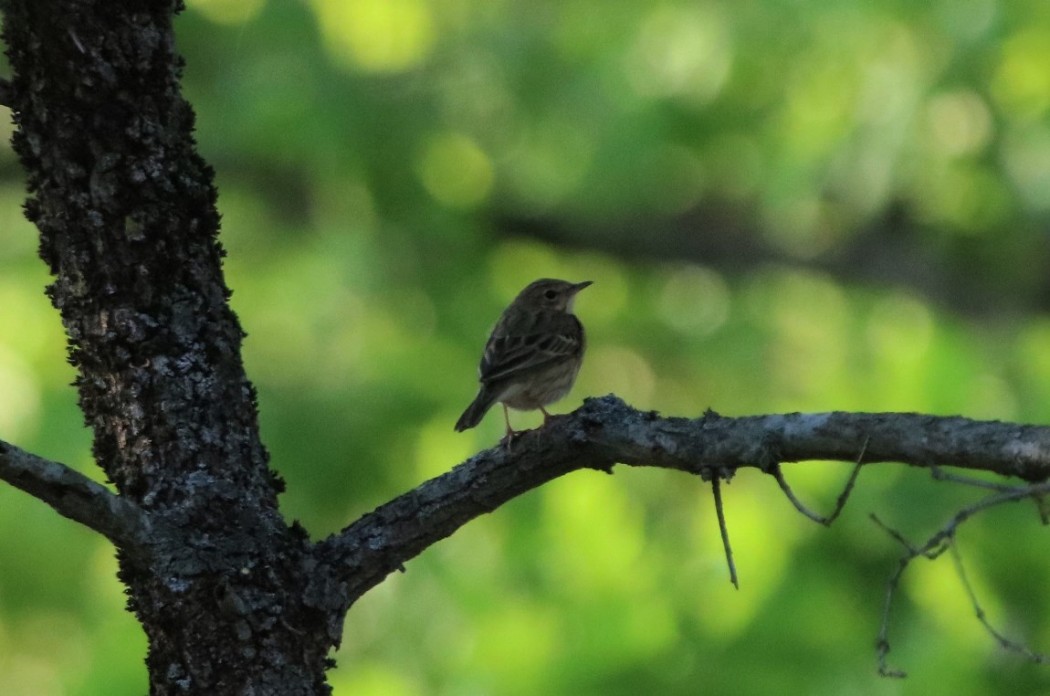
x,y
550,294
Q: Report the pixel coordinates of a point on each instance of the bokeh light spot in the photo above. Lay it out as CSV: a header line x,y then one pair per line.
x,y
694,300
455,170
682,51
621,371
382,36
959,122
1022,81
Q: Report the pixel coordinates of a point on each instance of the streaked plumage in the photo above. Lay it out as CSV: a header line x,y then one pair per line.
x,y
533,355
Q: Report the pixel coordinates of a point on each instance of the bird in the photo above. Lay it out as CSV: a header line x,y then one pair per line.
x,y
532,356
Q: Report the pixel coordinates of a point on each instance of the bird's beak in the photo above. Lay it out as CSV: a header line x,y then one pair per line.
x,y
572,296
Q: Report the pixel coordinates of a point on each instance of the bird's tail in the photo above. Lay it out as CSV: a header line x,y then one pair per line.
x,y
477,409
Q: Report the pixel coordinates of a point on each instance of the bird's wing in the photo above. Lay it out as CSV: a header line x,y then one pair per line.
x,y
511,353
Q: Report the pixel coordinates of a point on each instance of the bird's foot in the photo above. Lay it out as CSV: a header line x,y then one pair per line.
x,y
508,439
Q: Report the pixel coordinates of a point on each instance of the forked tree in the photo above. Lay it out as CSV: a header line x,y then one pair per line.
x,y
233,598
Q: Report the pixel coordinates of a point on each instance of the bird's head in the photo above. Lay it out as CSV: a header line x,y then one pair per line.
x,y
550,294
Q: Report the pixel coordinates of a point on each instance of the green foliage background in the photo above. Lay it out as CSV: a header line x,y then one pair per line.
x,y
365,152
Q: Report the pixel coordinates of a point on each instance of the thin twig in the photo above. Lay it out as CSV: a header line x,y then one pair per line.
x,y
840,502
1041,506
895,535
716,489
778,474
882,644
939,474
933,547
1003,641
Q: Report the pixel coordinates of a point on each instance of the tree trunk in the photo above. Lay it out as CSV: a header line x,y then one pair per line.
x,y
233,599
128,225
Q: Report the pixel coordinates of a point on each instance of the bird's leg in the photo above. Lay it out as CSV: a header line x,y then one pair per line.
x,y
510,431
546,416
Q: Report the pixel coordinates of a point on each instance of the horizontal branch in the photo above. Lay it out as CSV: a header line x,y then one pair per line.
x,y
606,431
75,496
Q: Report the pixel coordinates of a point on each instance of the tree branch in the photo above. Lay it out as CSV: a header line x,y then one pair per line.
x,y
606,431
945,540
75,496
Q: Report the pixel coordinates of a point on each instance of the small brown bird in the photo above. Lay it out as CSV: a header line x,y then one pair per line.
x,y
533,355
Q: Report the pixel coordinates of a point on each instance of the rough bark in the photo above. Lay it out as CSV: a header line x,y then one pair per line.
x,y
233,599
128,225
